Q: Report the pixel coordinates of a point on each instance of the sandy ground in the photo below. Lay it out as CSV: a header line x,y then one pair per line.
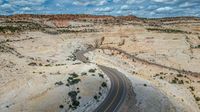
x,y
27,81
33,88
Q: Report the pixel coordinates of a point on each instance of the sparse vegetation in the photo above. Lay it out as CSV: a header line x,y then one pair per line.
x,y
20,26
73,79
179,75
197,98
92,70
166,30
83,73
74,101
198,46
191,88
47,59
11,29
101,75
61,106
104,84
175,80
72,57
74,75
32,64
59,83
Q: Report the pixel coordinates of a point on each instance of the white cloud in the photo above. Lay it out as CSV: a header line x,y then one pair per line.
x,y
85,3
116,1
27,2
163,9
26,8
106,9
119,12
6,6
131,1
134,1
103,2
124,7
186,4
163,1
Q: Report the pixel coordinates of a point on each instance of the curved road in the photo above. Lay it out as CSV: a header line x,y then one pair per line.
x,y
119,87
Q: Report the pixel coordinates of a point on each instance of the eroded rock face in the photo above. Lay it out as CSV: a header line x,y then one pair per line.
x,y
60,23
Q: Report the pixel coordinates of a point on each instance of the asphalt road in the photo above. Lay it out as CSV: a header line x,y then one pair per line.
x,y
119,87
117,93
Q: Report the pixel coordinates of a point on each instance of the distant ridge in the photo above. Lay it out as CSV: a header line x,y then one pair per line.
x,y
79,16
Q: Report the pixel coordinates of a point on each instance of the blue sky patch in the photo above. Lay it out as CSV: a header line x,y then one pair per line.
x,y
141,8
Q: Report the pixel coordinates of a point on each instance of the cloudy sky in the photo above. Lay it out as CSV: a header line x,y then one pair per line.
x,y
141,8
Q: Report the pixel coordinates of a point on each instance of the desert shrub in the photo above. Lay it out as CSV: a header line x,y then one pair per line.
x,y
197,98
83,73
75,103
101,75
47,65
198,46
166,30
72,57
61,106
191,88
92,70
73,94
180,82
12,29
95,97
32,64
59,83
72,81
74,75
179,75
104,84
174,81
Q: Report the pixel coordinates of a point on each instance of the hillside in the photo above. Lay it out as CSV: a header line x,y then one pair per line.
x,y
40,69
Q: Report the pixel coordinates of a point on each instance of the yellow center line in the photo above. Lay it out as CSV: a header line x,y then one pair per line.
x,y
114,96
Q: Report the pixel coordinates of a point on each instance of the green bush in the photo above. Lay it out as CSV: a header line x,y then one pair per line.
x,y
59,83
73,94
72,81
104,84
92,70
83,73
74,75
75,103
174,81
101,75
95,97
